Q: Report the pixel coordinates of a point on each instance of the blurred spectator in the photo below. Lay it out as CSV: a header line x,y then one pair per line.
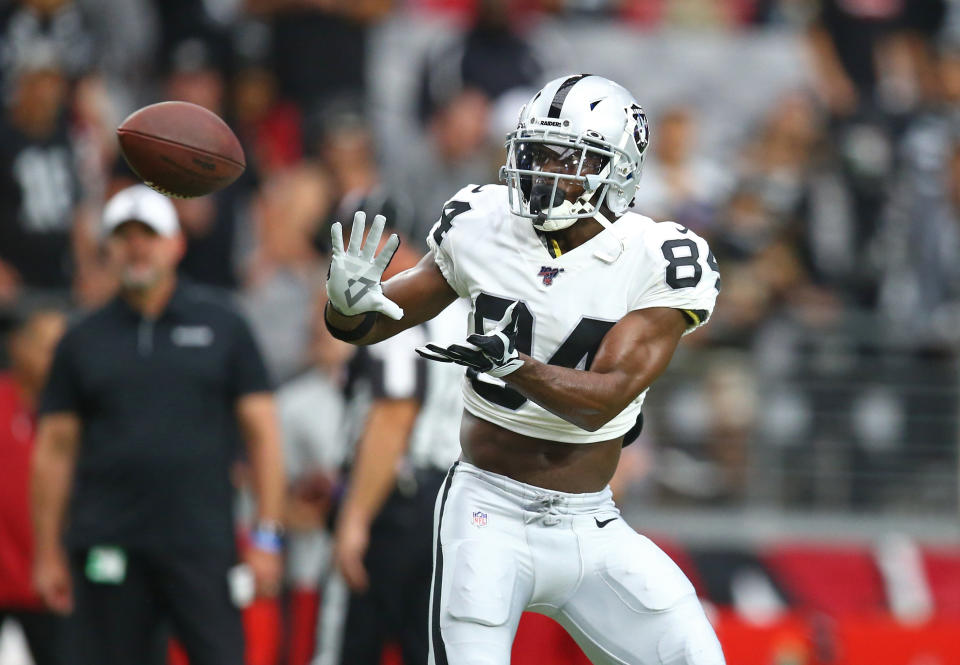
x,y
195,74
712,422
31,343
126,38
732,397
926,149
454,151
38,180
677,184
794,188
917,248
345,147
861,59
183,20
782,157
920,249
268,126
284,271
745,233
319,48
312,417
492,56
211,227
60,24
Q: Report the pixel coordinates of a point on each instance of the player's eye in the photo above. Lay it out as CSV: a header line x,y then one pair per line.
x,y
525,155
593,163
558,159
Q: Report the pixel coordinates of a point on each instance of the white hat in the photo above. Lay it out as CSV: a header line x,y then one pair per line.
x,y
139,203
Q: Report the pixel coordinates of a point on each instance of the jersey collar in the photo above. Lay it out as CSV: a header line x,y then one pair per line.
x,y
177,304
606,246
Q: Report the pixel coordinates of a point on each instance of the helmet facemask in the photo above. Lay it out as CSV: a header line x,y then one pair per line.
x,y
556,177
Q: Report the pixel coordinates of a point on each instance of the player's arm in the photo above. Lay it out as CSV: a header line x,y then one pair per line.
x,y
256,415
372,479
631,356
54,461
360,309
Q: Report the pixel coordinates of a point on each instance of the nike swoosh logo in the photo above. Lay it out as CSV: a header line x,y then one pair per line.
x,y
683,229
604,523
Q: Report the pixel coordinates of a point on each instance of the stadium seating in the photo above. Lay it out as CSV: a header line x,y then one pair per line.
x,y
835,580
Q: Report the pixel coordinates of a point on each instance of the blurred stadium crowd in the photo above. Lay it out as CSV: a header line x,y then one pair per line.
x,y
814,143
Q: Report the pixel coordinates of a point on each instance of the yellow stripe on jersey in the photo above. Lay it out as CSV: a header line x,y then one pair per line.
x,y
556,248
693,316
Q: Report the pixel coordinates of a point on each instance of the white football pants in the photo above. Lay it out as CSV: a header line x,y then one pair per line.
x,y
505,547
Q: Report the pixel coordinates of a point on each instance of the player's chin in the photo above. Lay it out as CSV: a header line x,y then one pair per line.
x,y
139,278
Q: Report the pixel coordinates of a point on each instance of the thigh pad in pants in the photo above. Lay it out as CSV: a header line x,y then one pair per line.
x,y
644,578
482,581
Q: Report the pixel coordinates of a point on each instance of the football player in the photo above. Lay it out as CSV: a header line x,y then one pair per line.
x,y
577,306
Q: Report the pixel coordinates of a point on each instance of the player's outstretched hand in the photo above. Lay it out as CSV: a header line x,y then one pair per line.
x,y
354,282
494,353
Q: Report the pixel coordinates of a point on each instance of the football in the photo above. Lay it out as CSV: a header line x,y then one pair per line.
x,y
181,149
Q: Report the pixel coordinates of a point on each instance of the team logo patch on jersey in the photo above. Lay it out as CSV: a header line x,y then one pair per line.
x,y
479,518
549,274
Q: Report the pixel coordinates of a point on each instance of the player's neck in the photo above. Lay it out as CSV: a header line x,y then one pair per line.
x,y
580,231
152,301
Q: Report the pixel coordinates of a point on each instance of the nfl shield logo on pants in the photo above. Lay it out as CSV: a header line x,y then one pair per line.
x,y
479,518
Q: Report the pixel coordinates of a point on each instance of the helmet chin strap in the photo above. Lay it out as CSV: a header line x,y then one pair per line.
x,y
544,223
608,225
594,183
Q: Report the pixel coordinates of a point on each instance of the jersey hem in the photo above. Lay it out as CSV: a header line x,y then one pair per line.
x,y
537,431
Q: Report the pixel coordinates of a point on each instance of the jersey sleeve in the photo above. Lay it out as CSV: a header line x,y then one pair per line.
x,y
445,239
678,271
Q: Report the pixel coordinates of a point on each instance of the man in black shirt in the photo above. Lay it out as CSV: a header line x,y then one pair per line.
x,y
137,428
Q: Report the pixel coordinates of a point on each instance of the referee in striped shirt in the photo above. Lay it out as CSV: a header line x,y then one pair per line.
x,y
384,529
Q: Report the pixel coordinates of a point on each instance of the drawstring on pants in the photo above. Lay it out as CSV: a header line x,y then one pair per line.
x,y
541,508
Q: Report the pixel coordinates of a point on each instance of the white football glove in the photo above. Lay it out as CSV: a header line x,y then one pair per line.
x,y
353,285
494,353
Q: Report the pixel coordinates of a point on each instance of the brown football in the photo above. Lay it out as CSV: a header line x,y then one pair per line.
x,y
181,149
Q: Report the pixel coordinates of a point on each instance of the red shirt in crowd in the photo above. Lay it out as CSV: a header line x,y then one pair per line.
x,y
16,536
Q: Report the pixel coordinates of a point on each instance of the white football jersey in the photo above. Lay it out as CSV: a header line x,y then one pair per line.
x,y
568,303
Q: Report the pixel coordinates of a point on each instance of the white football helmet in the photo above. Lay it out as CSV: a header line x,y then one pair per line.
x,y
593,135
